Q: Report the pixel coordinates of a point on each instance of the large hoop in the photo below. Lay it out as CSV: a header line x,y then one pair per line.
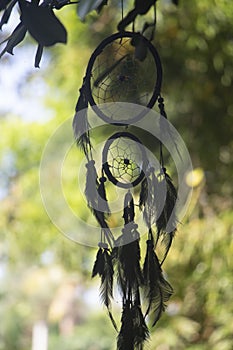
x,y
118,72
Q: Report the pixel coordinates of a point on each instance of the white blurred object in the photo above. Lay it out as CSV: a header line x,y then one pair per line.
x,y
40,336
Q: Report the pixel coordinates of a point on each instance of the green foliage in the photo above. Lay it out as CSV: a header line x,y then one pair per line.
x,y
194,42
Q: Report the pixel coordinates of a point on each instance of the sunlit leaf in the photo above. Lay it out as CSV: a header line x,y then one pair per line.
x,y
86,6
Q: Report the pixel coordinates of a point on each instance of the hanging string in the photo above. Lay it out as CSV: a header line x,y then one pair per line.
x,y
154,22
164,115
122,9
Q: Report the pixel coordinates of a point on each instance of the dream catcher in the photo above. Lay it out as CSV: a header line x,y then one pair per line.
x,y
116,73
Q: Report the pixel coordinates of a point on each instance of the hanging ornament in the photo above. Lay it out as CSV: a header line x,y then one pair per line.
x,y
115,73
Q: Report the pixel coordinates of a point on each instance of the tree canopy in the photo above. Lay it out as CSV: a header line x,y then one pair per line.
x,y
43,275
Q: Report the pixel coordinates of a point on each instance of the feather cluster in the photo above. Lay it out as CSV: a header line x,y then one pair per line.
x,y
104,268
157,201
167,221
156,289
96,199
123,263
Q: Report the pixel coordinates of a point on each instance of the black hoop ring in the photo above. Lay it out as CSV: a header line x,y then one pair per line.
x,y
106,166
157,87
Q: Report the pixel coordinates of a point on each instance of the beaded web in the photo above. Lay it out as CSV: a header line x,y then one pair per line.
x,y
124,159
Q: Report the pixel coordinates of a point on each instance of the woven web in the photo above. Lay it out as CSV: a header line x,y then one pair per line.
x,y
125,160
117,76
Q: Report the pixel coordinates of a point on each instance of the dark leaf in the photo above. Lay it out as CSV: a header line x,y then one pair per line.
x,y
86,6
42,24
15,38
7,12
4,3
39,53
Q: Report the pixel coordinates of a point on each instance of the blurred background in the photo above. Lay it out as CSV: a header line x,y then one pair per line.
x,y
46,291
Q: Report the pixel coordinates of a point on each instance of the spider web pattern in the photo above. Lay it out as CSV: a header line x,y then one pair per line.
x,y
117,76
125,160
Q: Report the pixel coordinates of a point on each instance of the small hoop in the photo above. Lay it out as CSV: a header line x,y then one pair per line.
x,y
124,160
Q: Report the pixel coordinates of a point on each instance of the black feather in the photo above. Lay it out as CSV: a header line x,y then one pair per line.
x,y
143,194
98,267
128,213
91,185
148,198
167,221
125,339
127,258
92,195
141,332
134,331
102,198
157,289
80,122
106,288
104,268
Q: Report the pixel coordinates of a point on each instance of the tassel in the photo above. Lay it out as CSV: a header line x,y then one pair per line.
x,y
91,192
157,289
167,221
91,185
143,193
129,213
148,198
134,331
102,198
126,335
80,123
140,328
106,289
104,268
127,258
128,253
98,267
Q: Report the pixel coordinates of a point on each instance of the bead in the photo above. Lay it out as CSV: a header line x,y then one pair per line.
x,y
103,245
